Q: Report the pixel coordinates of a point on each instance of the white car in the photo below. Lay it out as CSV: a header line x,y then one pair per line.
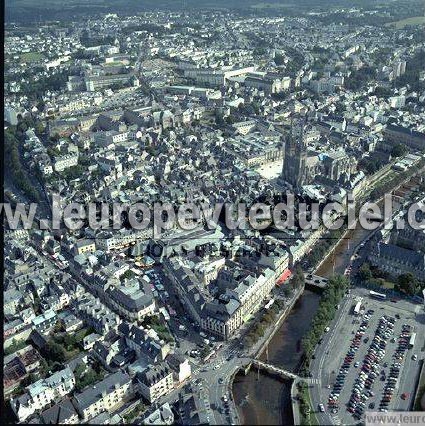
x,y
321,408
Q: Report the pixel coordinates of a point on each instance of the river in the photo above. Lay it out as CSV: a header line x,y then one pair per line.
x,y
264,399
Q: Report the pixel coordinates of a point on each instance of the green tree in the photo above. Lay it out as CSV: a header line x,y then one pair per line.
x,y
365,273
87,378
31,378
15,346
359,78
44,367
298,278
407,283
382,92
398,150
54,352
13,159
127,275
331,297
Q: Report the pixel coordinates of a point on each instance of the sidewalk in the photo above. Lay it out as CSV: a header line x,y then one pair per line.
x,y
295,402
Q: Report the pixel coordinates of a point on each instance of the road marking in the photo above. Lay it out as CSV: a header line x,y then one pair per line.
x,y
336,420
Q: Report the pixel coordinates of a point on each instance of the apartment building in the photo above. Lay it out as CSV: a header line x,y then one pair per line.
x,y
97,315
224,316
257,148
108,241
96,82
106,395
181,367
133,299
252,291
278,261
110,137
214,77
156,381
244,127
66,161
397,260
85,246
43,392
411,138
45,322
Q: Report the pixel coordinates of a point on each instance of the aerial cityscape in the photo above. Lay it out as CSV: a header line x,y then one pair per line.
x,y
214,212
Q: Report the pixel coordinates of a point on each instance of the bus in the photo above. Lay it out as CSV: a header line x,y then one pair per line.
x,y
164,313
378,296
357,308
412,340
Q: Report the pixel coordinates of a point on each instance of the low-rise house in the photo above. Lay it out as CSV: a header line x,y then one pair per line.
x,y
55,302
11,328
18,365
112,354
96,315
71,323
11,299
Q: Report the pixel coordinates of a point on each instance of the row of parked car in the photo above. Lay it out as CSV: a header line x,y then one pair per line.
x,y
340,378
362,388
395,368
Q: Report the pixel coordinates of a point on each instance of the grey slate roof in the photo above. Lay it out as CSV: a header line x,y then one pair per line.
x,y
59,413
94,393
153,374
391,251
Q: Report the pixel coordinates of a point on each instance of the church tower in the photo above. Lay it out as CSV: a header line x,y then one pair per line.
x,y
294,164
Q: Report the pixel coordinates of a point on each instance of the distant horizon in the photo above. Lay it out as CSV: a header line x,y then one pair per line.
x,y
26,11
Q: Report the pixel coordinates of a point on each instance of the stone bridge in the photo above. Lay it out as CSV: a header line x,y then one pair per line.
x,y
273,369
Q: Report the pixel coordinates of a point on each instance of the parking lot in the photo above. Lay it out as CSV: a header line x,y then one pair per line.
x,y
368,362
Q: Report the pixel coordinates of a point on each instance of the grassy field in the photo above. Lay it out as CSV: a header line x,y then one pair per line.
x,y
415,20
388,285
113,64
31,57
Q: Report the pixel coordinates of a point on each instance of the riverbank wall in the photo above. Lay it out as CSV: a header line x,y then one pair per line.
x,y
279,322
